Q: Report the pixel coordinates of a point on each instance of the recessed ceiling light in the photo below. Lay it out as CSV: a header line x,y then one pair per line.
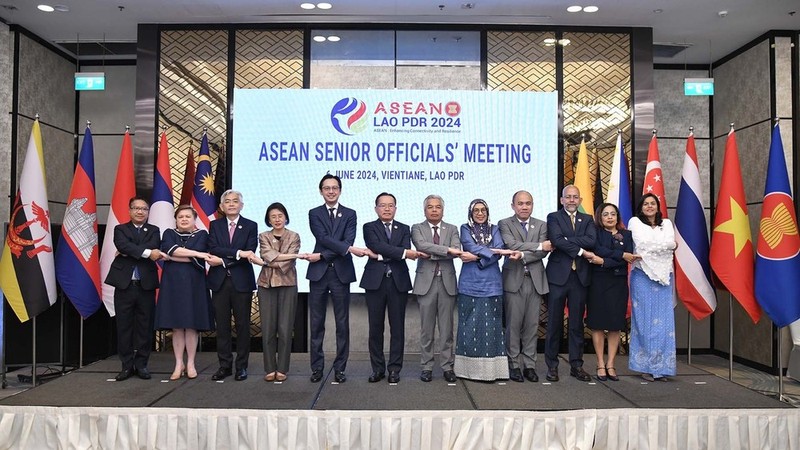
x,y
307,5
46,8
334,38
563,42
61,8
319,38
590,9
550,41
324,5
575,8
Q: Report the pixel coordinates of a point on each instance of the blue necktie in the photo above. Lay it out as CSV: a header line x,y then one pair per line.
x,y
136,275
524,228
388,230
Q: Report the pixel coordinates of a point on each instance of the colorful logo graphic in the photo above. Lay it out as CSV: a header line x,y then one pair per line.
x,y
349,116
778,236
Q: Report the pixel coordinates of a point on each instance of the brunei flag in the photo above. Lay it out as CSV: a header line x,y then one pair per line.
x,y
77,255
27,273
203,193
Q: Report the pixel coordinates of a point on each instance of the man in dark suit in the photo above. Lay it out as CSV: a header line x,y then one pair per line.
x,y
135,278
234,239
572,235
435,286
524,284
386,282
330,271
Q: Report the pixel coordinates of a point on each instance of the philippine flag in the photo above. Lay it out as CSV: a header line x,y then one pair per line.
x,y
203,193
619,186
162,209
77,256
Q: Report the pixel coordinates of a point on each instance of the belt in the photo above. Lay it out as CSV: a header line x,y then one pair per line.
x,y
387,274
137,283
330,264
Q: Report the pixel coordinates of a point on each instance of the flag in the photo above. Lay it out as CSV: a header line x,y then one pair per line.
x,y
731,244
778,247
77,254
203,193
653,179
692,269
124,190
27,270
583,181
597,195
188,180
619,185
161,206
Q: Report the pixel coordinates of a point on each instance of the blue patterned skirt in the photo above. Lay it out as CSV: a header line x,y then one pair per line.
x,y
652,326
480,344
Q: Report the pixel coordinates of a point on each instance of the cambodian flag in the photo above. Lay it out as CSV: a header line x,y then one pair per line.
x,y
778,250
619,186
692,268
203,193
77,256
162,209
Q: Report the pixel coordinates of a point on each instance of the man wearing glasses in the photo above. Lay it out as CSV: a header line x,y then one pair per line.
x,y
135,279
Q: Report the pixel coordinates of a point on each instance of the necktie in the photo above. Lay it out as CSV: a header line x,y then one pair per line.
x,y
436,241
231,229
136,275
388,226
331,215
572,219
524,228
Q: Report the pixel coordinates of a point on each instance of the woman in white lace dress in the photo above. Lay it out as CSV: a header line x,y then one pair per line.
x,y
652,340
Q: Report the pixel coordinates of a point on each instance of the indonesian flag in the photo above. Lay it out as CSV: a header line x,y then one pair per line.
x,y
653,179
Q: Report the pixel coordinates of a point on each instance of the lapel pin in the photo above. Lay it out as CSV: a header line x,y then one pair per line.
x,y
240,227
144,229
339,215
580,220
395,227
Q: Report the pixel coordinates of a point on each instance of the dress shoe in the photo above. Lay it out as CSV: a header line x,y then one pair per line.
x,y
143,373
580,374
241,375
394,376
339,377
648,377
426,376
280,376
530,375
316,376
552,374
515,375
221,373
602,374
612,376
376,376
124,374
269,377
450,376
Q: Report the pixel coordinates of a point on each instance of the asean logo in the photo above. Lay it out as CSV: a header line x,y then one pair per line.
x,y
349,116
778,238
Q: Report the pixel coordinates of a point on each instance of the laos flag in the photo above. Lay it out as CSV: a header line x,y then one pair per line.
x,y
77,255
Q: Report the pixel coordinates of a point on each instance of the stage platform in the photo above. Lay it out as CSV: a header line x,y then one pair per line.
x,y
695,409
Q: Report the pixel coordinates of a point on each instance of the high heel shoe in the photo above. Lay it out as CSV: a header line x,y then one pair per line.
x,y
191,374
177,374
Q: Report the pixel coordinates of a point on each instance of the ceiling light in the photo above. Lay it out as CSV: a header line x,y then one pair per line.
x,y
46,8
563,42
334,38
549,41
319,38
307,5
590,9
324,5
575,8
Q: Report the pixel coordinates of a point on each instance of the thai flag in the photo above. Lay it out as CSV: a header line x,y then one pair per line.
x,y
203,193
162,208
692,268
619,186
77,256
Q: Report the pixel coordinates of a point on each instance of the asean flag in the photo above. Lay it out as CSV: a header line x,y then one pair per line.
x,y
77,254
778,248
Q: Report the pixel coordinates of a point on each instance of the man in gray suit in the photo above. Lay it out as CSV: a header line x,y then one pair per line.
x,y
435,285
524,284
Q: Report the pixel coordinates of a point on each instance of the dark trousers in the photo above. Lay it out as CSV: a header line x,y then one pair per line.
x,y
225,300
134,308
573,293
387,297
318,307
277,306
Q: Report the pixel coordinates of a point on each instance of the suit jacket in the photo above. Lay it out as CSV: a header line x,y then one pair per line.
x,y
567,243
285,274
332,242
611,250
130,246
515,239
245,237
391,250
422,237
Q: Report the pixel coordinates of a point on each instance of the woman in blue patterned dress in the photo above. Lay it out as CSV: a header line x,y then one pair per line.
x,y
480,344
652,347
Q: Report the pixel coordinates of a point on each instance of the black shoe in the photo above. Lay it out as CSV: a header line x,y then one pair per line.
x,y
339,377
124,374
143,373
394,376
515,375
552,374
221,373
376,376
530,375
580,374
450,376
603,377
241,375
426,376
316,376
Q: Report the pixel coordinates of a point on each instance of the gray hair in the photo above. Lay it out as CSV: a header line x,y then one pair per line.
x,y
231,192
432,197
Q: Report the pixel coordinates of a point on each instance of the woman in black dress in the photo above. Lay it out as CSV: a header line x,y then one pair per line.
x,y
184,303
607,302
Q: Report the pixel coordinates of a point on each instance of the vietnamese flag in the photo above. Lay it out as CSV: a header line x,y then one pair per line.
x,y
731,253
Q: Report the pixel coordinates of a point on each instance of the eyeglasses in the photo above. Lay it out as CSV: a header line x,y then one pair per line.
x,y
140,208
330,188
479,211
385,205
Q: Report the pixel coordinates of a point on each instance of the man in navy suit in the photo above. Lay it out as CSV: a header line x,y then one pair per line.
x,y
386,282
234,239
135,278
572,235
330,271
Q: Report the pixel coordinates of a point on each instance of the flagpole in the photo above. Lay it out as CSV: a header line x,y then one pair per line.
x,y
33,365
689,359
61,338
780,364
730,338
80,347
